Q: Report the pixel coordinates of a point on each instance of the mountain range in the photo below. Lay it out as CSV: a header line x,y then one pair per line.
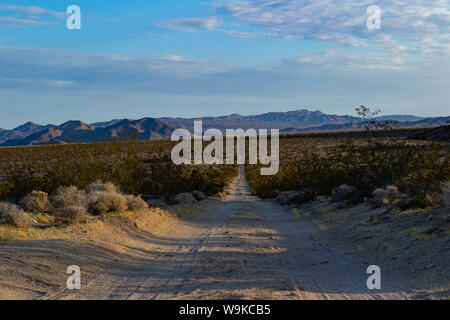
x,y
271,120
21,131
359,125
162,128
78,131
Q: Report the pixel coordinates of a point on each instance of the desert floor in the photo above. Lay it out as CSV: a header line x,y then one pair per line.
x,y
238,248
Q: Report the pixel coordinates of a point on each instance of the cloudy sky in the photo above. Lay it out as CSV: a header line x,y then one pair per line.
x,y
185,58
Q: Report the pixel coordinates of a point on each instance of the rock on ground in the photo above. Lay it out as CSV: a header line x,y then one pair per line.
x,y
200,196
186,197
157,202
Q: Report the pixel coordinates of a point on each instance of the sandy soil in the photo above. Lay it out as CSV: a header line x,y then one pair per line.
x,y
237,248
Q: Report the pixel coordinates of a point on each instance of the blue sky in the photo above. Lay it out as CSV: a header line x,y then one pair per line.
x,y
196,58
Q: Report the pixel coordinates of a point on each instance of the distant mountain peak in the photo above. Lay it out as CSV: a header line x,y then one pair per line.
x,y
104,124
27,126
75,125
399,117
306,111
21,131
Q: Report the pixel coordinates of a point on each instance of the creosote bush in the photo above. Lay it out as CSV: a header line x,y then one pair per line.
x,y
389,196
68,196
135,203
101,202
72,213
345,194
36,202
105,197
416,169
69,203
444,197
422,201
102,186
11,214
130,167
377,157
137,167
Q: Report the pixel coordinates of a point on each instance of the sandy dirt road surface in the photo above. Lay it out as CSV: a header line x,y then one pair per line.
x,y
238,248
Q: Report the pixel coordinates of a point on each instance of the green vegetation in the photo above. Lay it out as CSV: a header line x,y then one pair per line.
x,y
322,165
136,167
319,165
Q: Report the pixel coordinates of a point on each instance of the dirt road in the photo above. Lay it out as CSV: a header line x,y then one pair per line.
x,y
240,248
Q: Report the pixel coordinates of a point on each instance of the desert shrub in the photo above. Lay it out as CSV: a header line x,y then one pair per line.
x,y
135,203
200,196
11,214
345,194
306,195
43,218
69,203
71,213
102,186
101,202
422,201
389,196
36,202
323,164
295,197
442,197
68,196
104,197
445,194
138,167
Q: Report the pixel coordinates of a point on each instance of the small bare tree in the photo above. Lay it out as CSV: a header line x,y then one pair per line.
x,y
369,117
375,127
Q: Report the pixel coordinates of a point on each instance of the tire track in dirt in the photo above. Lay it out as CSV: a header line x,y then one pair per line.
x,y
238,248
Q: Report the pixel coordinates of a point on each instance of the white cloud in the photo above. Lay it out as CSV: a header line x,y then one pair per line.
x,y
344,22
337,78
191,24
29,16
38,67
150,34
414,37
20,22
244,35
35,11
